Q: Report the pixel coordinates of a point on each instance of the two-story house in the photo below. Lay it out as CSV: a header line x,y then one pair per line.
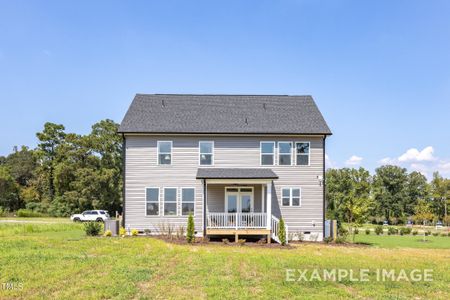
x,y
237,163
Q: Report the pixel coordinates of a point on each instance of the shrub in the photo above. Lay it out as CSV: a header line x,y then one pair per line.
x,y
342,232
415,232
2,212
26,213
443,234
147,231
241,242
392,230
356,231
282,232
134,232
190,229
108,233
340,240
92,228
367,231
328,239
122,231
225,241
379,230
406,230
427,233
435,233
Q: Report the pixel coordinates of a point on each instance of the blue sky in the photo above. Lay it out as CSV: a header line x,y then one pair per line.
x,y
379,70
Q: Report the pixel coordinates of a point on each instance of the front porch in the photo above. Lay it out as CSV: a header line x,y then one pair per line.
x,y
237,205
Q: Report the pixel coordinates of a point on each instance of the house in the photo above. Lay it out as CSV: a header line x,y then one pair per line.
x,y
238,163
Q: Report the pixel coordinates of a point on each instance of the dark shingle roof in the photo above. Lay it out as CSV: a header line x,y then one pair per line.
x,y
235,173
223,114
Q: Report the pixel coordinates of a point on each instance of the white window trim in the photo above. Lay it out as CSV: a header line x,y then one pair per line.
x,y
309,154
199,153
181,200
159,201
290,188
278,152
164,202
261,153
238,205
158,153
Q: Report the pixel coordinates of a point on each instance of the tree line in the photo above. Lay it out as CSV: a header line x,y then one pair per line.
x,y
65,173
391,194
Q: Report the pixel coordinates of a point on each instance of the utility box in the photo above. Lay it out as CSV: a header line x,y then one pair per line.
x,y
112,225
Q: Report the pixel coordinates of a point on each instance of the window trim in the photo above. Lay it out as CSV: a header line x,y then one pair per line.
x,y
181,200
290,188
159,201
278,152
309,154
158,153
273,154
164,202
200,153
238,193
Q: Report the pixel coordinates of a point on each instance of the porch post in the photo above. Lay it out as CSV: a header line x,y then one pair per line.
x,y
269,205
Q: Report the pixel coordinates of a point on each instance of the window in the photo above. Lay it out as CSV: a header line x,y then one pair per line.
x,y
170,201
206,153
187,201
302,153
164,153
152,201
267,153
291,196
284,153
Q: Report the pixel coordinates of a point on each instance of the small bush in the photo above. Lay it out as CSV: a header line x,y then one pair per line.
x,y
415,232
2,212
328,239
367,231
356,231
392,230
443,234
226,241
27,213
379,230
92,228
282,232
427,233
122,232
435,233
342,232
190,238
134,232
405,230
108,233
241,242
340,240
147,231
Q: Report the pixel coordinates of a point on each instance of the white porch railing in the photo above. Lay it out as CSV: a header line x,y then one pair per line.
x,y
275,227
236,220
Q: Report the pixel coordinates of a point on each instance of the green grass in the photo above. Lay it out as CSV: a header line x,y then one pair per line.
x,y
403,241
60,262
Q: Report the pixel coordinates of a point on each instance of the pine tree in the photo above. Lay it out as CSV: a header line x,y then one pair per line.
x,y
282,232
190,229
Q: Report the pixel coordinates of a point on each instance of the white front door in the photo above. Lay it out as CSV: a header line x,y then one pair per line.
x,y
239,200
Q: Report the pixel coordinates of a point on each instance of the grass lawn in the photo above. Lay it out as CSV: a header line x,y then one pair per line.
x,y
58,261
403,241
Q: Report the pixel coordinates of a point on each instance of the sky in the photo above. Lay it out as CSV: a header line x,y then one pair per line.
x,y
378,70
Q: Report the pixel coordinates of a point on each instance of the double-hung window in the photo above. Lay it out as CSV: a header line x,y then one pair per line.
x,y
152,201
267,153
302,153
291,196
164,152
187,201
285,153
206,150
170,201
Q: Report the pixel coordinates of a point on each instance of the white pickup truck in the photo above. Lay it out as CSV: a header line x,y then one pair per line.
x,y
91,215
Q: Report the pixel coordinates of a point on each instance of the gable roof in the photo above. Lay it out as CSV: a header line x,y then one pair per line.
x,y
235,173
233,114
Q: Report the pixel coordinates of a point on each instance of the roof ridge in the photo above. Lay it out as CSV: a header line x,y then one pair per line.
x,y
241,95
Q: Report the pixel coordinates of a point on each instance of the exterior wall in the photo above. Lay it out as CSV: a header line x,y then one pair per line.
x,y
142,170
216,197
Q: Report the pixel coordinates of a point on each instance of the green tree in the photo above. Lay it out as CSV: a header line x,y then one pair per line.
x,y
9,191
417,188
190,231
21,164
440,189
282,232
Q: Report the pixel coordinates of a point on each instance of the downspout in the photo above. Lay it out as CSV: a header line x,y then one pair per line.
x,y
204,207
324,189
123,178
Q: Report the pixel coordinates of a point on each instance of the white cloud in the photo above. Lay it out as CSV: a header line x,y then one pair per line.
x,y
414,155
354,160
388,161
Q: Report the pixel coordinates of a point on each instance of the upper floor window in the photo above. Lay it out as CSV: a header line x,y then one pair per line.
x,y
164,152
206,153
302,153
290,196
170,201
285,153
152,201
187,201
267,153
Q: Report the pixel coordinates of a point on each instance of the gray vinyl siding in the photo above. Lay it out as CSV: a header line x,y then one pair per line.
x,y
142,170
216,197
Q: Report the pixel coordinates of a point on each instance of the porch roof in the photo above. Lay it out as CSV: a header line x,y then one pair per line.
x,y
235,173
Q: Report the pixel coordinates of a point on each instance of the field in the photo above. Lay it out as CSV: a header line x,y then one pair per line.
x,y
56,260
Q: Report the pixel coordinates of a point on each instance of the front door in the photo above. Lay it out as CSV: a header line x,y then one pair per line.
x,y
239,200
